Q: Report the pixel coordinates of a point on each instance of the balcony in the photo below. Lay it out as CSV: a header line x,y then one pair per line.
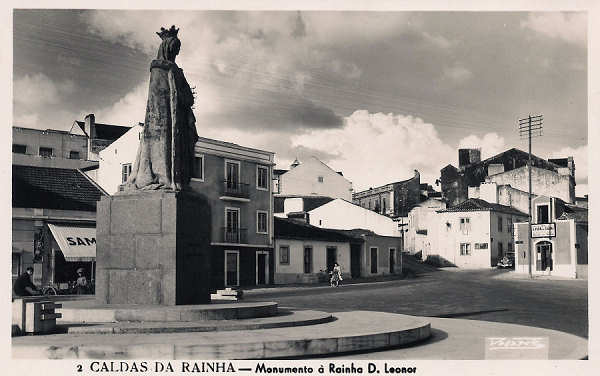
x,y
235,236
235,190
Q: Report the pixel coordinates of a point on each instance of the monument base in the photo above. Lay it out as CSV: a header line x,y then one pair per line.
x,y
153,247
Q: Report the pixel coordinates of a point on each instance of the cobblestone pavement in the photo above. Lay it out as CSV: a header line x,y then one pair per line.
x,y
467,294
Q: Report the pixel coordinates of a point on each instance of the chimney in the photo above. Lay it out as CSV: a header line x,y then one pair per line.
x,y
90,130
90,126
571,165
468,156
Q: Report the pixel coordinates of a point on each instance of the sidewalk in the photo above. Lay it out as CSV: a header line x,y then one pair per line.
x,y
525,276
253,290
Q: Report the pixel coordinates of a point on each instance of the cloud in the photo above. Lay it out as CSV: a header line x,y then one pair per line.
x,y
580,157
438,40
568,26
26,121
490,144
37,89
457,74
129,110
374,148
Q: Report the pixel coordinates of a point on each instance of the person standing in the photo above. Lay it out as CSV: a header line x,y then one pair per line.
x,y
336,275
24,286
81,284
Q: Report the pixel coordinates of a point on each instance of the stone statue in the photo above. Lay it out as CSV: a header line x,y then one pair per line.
x,y
165,157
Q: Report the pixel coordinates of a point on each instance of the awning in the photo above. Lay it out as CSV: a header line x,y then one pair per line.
x,y
76,243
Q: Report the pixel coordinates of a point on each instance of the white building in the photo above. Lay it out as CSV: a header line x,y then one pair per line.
x,y
474,234
313,178
117,159
421,220
343,215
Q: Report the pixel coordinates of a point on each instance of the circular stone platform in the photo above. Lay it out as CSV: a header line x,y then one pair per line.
x,y
88,311
283,319
352,331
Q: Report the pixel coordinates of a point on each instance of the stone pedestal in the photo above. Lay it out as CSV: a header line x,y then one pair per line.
x,y
153,248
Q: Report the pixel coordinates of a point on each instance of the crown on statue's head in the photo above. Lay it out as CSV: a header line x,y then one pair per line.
x,y
170,33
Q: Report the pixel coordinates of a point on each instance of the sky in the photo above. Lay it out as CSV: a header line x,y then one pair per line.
x,y
373,94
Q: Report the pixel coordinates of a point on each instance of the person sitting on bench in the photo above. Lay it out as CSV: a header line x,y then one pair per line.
x,y
23,285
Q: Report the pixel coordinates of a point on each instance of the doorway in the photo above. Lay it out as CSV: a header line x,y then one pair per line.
x,y
373,260
331,257
262,268
543,256
392,260
355,250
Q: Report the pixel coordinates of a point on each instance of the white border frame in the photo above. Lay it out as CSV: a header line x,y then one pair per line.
x,y
237,253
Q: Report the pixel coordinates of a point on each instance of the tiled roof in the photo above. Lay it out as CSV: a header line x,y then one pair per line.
x,y
106,131
308,202
579,214
53,188
290,229
476,204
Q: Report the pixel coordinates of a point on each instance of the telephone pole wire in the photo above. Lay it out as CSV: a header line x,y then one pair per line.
x,y
529,127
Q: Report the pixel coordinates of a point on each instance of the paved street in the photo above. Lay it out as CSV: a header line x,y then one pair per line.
x,y
477,295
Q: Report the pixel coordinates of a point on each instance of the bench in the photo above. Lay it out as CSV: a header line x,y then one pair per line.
x,y
34,315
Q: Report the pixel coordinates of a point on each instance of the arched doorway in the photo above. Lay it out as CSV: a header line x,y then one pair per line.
x,y
543,260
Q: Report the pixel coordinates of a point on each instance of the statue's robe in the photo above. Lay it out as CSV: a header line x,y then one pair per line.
x,y
165,158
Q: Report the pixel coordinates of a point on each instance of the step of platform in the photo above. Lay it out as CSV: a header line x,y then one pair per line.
x,y
351,331
283,319
91,312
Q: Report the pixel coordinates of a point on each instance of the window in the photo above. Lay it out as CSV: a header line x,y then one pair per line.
x,y
125,172
232,225
232,174
45,152
500,249
16,264
262,178
261,222
232,268
320,179
542,214
465,225
481,245
383,206
308,259
73,154
198,172
373,260
465,249
19,149
284,255
509,225
499,223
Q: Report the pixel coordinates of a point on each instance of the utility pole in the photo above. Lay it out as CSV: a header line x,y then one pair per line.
x,y
529,127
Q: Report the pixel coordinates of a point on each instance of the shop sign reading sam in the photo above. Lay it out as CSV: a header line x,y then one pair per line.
x,y
543,230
